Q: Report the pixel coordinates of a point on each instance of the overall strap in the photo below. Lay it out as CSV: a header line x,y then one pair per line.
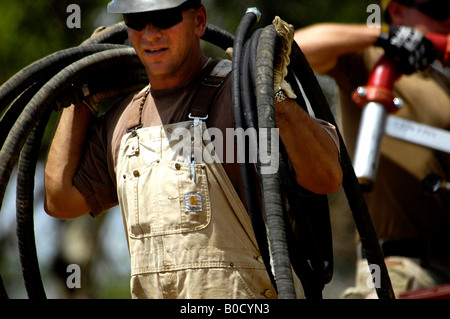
x,y
216,72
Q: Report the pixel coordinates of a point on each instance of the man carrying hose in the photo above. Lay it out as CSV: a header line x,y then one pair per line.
x,y
413,226
188,231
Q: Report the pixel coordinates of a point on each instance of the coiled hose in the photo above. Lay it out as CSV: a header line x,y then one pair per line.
x,y
312,256
241,89
25,210
358,206
42,70
30,80
273,204
253,100
47,97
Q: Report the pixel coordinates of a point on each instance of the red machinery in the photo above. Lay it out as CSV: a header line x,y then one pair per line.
x,y
377,100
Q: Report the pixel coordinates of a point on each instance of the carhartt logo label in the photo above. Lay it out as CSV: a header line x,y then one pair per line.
x,y
193,202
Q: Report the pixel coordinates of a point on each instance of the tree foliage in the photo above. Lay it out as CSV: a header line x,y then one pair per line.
x,y
30,30
297,12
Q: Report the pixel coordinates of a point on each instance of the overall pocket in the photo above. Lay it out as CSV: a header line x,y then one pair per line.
x,y
164,199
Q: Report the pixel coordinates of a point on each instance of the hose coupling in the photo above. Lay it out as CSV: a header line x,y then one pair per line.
x,y
255,11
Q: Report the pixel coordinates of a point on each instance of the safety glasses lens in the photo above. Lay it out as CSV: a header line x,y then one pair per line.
x,y
163,19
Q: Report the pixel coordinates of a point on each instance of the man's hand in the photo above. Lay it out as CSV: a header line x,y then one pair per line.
x,y
92,102
409,48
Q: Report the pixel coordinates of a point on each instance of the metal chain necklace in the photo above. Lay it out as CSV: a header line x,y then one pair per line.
x,y
141,106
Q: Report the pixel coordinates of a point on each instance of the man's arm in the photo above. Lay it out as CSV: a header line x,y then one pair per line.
x,y
62,198
323,44
312,152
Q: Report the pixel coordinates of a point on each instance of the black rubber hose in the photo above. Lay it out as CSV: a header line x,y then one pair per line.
x,y
42,70
12,113
218,37
273,206
24,225
253,51
308,226
350,183
116,33
110,82
311,214
45,99
247,87
25,211
247,94
25,230
246,23
305,253
248,174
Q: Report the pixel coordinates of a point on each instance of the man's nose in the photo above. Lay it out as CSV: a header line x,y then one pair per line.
x,y
151,31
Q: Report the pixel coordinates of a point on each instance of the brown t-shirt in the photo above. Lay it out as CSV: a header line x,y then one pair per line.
x,y
96,174
398,205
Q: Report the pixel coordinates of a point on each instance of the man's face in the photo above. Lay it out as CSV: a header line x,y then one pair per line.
x,y
169,54
425,15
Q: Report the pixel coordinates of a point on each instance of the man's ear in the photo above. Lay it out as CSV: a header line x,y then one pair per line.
x,y
200,21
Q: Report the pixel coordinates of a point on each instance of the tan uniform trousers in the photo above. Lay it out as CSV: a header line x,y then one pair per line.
x,y
189,235
405,274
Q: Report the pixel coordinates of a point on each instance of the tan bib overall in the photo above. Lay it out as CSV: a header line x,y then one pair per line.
x,y
189,234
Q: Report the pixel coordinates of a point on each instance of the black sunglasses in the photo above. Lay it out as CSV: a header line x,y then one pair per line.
x,y
438,9
162,19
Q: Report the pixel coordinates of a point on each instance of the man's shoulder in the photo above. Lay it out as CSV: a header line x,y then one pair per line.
x,y
118,106
222,68
216,75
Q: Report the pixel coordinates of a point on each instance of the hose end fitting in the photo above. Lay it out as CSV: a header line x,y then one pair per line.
x,y
255,11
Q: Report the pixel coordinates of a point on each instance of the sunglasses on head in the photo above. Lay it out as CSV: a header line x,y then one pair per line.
x,y
162,19
438,9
